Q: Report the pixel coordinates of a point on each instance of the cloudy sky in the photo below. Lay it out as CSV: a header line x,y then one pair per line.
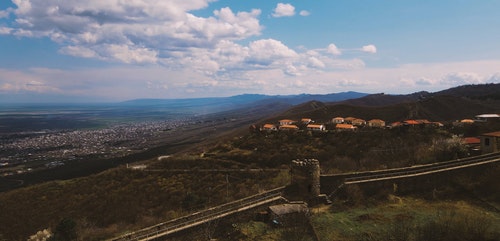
x,y
114,50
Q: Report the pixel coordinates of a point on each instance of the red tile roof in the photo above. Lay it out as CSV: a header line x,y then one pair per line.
x,y
345,126
289,127
472,140
495,134
411,122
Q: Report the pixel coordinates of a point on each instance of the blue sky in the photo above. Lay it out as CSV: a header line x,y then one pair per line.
x,y
94,50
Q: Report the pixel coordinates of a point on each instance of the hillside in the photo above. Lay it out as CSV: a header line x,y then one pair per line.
x,y
382,99
447,105
482,91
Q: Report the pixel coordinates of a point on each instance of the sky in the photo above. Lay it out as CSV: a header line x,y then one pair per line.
x,y
116,50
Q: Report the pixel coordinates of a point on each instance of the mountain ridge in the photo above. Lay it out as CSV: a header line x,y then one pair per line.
x,y
451,104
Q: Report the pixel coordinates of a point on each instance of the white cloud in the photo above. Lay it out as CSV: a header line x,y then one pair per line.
x,y
269,51
461,78
284,10
78,51
424,81
304,13
369,49
129,54
5,30
150,81
145,30
332,49
316,63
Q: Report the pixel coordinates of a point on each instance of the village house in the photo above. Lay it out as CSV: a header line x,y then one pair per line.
x,y
423,122
359,122
306,121
269,127
436,124
473,145
286,122
490,142
338,120
289,127
349,120
487,117
345,127
395,124
316,127
376,123
411,123
467,121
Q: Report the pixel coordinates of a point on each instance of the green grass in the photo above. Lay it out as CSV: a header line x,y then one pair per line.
x,y
403,217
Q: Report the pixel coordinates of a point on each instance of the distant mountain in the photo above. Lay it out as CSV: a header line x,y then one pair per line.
x,y
482,91
452,104
478,92
218,104
382,99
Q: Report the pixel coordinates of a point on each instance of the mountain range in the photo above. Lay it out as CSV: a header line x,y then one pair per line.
x,y
455,103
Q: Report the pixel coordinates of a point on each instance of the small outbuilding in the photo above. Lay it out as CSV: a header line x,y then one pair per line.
x,y
289,214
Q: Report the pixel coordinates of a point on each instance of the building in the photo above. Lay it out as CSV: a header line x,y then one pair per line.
x,y
269,127
487,117
490,142
286,122
289,214
359,122
473,145
289,127
411,123
348,120
338,120
306,121
344,127
316,127
395,124
376,123
305,177
467,121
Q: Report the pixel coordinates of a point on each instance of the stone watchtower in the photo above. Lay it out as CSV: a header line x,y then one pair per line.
x,y
305,180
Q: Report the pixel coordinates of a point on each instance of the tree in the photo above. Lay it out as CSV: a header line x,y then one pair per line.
x,y
65,231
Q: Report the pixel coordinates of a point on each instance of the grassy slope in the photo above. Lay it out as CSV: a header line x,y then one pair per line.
x,y
401,217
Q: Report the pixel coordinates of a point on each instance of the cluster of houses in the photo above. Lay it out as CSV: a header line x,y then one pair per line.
x,y
486,143
353,123
340,124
